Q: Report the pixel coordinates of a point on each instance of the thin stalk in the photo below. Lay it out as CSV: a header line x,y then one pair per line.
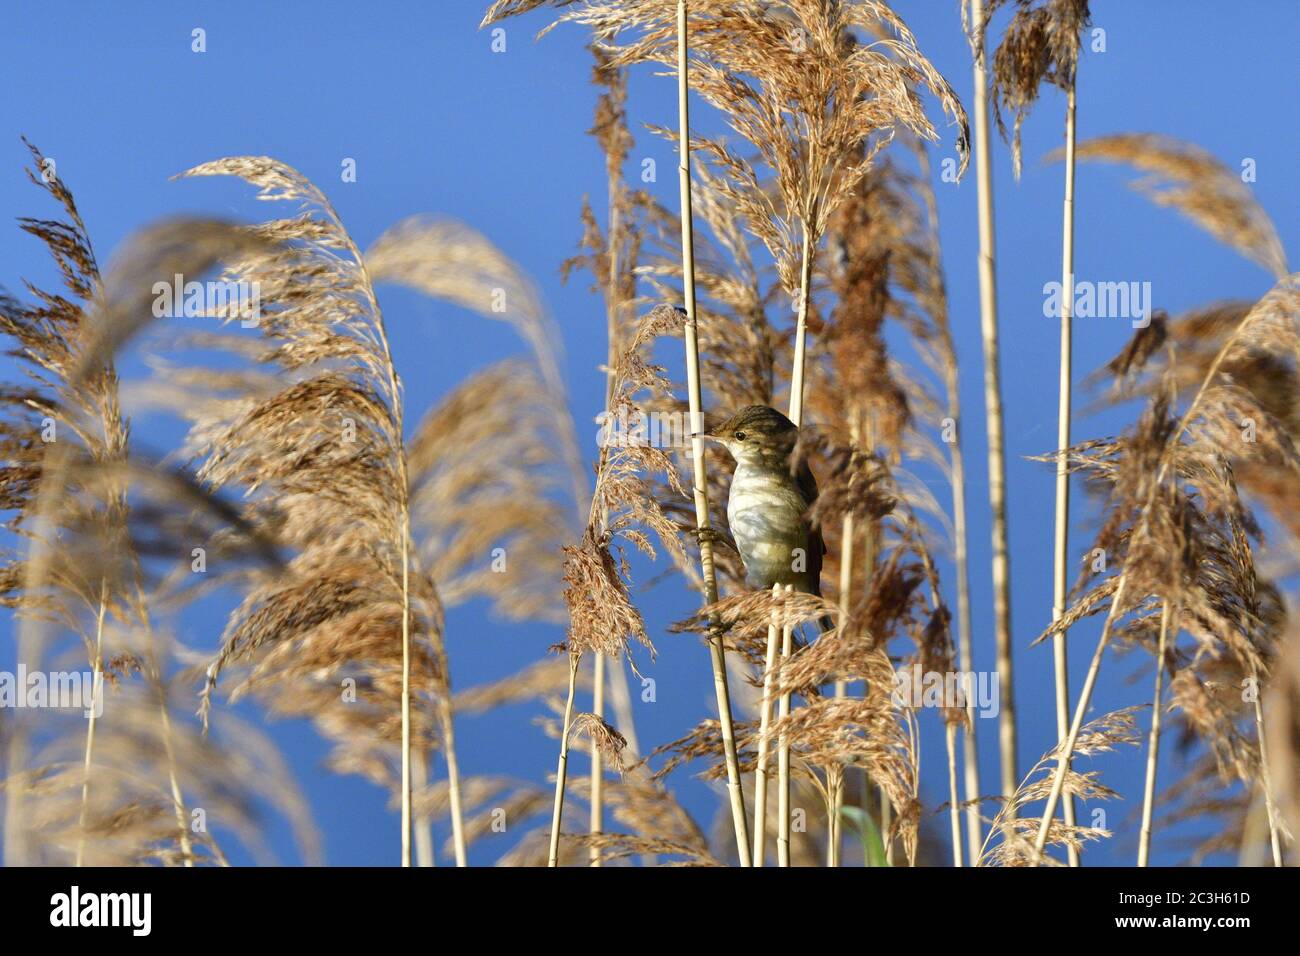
x,y
886,821
424,855
141,609
783,759
845,589
622,701
954,807
1265,780
1060,591
596,818
97,690
155,669
1085,695
970,745
612,339
453,780
870,548
178,800
444,707
1153,742
562,768
993,413
764,748
835,783
690,333
796,416
406,690
801,328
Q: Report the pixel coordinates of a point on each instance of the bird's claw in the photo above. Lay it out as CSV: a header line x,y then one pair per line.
x,y
709,534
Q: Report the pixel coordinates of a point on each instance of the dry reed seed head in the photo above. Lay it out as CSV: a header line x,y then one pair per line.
x,y
851,481
541,679
621,846
791,86
871,245
1187,178
489,524
188,247
1188,543
647,809
130,816
608,741
610,126
602,617
521,803
69,341
1041,45
503,9
743,356
1204,447
450,261
745,617
1208,698
323,462
1013,831
863,733
705,742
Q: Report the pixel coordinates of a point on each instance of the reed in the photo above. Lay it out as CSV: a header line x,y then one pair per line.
x,y
993,414
1041,45
347,537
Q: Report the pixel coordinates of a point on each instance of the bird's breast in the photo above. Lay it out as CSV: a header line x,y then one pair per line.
x,y
766,514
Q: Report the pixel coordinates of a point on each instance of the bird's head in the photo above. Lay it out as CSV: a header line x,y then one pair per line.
x,y
757,434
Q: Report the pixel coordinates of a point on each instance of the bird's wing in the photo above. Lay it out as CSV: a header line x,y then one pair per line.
x,y
816,544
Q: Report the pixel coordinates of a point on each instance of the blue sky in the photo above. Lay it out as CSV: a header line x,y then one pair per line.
x,y
438,123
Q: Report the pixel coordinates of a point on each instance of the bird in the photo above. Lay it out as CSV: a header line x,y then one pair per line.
x,y
768,505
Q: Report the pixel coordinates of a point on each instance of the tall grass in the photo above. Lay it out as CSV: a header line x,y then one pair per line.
x,y
804,248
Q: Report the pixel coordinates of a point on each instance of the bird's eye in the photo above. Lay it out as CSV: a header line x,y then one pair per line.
x,y
740,436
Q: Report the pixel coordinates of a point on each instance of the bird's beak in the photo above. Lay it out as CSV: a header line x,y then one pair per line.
x,y
705,435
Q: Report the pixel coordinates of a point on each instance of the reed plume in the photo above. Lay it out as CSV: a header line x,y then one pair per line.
x,y
117,792
1158,524
324,462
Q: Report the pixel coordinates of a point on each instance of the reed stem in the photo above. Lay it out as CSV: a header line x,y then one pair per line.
x,y
595,818
993,413
562,767
954,801
764,748
1266,781
97,690
1121,587
701,495
783,758
1153,742
1060,589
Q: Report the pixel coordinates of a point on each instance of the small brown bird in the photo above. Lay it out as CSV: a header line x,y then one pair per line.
x,y
769,502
